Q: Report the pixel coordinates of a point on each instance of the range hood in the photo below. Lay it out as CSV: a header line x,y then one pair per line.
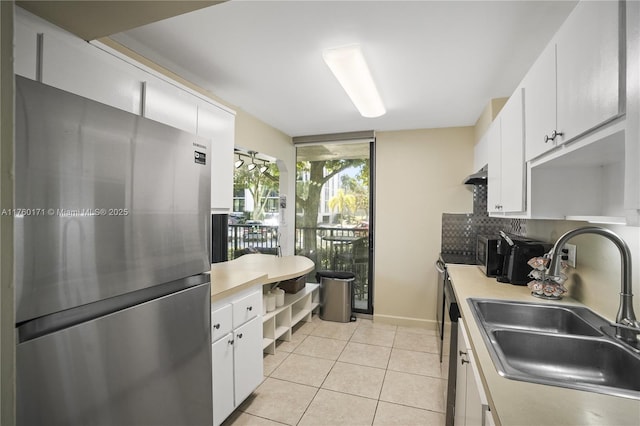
x,y
478,178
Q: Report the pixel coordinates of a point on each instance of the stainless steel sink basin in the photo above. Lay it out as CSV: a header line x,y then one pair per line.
x,y
531,316
557,345
571,361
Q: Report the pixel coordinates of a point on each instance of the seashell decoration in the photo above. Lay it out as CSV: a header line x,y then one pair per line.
x,y
543,285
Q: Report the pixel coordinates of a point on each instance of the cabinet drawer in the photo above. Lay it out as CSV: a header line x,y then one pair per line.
x,y
221,322
246,308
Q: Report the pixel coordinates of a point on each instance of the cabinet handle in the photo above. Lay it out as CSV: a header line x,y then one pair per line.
x,y
464,361
556,133
249,308
239,335
460,353
217,326
553,136
230,341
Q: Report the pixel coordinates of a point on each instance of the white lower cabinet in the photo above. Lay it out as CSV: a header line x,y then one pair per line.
x,y
247,359
223,395
472,407
236,351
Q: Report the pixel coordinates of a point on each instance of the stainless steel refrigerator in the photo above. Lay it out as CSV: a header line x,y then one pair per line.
x,y
112,232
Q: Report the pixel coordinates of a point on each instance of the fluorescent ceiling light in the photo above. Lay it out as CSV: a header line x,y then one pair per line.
x,y
348,65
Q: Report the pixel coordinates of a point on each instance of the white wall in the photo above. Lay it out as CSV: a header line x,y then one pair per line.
x,y
596,279
419,176
253,134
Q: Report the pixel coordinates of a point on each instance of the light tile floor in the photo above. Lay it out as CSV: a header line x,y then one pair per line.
x,y
358,373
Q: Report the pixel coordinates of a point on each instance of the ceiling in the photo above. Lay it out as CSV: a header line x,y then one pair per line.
x,y
436,63
98,18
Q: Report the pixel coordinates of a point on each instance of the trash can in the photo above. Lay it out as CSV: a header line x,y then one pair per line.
x,y
335,295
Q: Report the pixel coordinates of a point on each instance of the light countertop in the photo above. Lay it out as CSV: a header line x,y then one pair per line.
x,y
520,403
235,275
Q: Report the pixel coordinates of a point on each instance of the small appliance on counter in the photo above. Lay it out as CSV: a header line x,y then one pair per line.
x,y
488,256
517,252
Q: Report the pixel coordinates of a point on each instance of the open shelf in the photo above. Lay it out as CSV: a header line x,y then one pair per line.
x,y
266,342
280,331
277,324
298,316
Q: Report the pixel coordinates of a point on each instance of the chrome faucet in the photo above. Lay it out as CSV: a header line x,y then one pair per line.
x,y
627,327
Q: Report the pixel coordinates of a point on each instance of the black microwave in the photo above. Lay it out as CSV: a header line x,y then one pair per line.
x,y
487,255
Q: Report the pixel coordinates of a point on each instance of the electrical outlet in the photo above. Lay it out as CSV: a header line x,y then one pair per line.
x,y
571,254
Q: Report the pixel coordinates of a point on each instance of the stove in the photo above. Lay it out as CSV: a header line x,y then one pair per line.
x,y
447,314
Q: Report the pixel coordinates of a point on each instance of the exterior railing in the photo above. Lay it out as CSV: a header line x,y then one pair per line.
x,y
331,248
247,238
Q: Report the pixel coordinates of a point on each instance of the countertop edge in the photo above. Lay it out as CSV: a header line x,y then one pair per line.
x,y
516,402
248,279
228,278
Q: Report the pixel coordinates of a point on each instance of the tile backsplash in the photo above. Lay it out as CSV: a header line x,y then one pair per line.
x,y
459,230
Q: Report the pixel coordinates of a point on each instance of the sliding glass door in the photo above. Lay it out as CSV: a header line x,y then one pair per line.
x,y
334,217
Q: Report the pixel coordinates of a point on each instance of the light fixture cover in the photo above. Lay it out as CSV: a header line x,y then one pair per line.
x,y
349,67
251,166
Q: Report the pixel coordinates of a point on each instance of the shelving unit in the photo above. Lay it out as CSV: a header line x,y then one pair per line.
x,y
277,324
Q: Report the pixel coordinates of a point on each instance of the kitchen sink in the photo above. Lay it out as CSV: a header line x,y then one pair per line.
x,y
557,345
531,316
588,362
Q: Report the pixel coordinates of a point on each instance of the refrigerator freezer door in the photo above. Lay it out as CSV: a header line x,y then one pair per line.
x,y
109,202
146,365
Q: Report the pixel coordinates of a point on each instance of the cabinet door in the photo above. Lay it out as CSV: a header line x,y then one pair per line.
x,y
25,51
221,321
588,67
474,406
481,153
222,361
247,359
170,105
246,308
540,103
494,178
85,70
219,126
512,177
461,378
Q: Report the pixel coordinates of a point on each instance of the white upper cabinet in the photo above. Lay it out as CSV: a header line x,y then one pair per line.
x,y
506,178
25,50
588,67
77,67
494,174
574,86
513,165
171,105
219,125
540,103
481,153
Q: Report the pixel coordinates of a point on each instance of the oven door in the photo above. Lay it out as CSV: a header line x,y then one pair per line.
x,y
440,314
452,315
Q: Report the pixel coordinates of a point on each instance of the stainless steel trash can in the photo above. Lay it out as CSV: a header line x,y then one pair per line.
x,y
335,295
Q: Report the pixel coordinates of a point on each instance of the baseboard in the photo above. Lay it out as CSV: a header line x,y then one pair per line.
x,y
405,321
